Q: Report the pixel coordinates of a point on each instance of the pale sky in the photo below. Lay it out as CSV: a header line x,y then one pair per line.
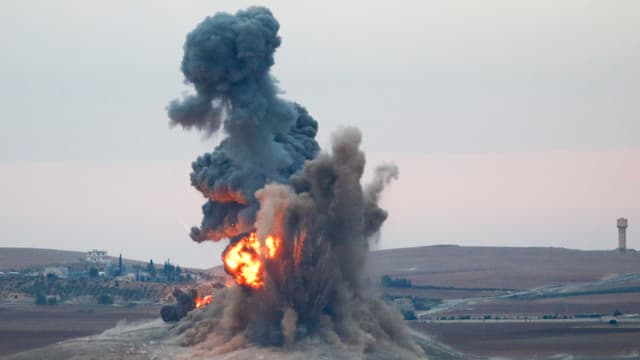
x,y
514,123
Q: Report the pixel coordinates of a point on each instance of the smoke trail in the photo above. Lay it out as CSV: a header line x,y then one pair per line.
x,y
227,59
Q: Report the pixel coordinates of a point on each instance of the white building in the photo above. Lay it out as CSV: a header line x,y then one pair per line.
x,y
97,256
403,304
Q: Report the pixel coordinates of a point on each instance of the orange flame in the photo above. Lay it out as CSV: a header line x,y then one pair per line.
x,y
272,244
202,301
223,194
244,260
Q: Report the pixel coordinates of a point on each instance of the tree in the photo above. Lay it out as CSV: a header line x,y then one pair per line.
x,y
41,299
151,269
169,271
389,282
409,315
120,265
105,299
93,273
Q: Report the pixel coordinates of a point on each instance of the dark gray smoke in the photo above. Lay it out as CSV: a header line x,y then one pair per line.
x,y
315,286
267,176
227,59
325,287
185,302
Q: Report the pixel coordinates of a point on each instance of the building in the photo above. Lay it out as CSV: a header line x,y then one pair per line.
x,y
622,233
403,304
97,256
127,277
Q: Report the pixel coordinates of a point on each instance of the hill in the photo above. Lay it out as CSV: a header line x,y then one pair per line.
x,y
501,267
440,265
23,258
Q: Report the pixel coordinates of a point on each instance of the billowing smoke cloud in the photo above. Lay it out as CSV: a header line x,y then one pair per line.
x,y
269,177
227,59
185,302
315,286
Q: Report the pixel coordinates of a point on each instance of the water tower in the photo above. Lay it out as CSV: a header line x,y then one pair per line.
x,y
622,233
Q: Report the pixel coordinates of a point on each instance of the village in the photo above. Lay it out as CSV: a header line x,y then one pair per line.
x,y
96,278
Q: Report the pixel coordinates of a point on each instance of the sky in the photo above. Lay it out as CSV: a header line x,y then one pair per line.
x,y
514,123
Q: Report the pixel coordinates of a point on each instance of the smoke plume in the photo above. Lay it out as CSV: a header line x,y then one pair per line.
x,y
227,60
185,302
268,178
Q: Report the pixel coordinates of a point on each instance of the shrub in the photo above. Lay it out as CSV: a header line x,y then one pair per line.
x,y
409,315
105,299
41,299
389,282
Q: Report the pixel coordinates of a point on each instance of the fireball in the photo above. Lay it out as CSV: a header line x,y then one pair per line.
x,y
202,301
244,259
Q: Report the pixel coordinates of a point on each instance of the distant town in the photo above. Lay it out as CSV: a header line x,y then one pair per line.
x,y
100,279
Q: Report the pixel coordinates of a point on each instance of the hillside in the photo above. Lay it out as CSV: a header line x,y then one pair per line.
x,y
440,265
501,267
19,258
22,258
453,290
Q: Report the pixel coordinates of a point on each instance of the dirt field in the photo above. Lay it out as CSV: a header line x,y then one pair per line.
x,y
441,294
536,340
501,267
601,304
24,327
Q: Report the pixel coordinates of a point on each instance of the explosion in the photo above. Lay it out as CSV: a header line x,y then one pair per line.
x,y
299,221
244,259
186,301
203,301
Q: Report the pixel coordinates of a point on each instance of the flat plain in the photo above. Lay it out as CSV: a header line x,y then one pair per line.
x,y
25,326
537,340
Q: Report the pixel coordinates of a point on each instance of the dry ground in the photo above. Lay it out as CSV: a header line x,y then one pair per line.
x,y
32,258
590,304
24,327
20,258
537,340
501,267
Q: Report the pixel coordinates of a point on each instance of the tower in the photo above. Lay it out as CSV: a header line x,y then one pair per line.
x,y
622,233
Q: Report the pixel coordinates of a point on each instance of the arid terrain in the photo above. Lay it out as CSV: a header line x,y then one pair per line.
x,y
517,268
38,308
537,340
483,302
25,258
522,302
26,326
20,258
